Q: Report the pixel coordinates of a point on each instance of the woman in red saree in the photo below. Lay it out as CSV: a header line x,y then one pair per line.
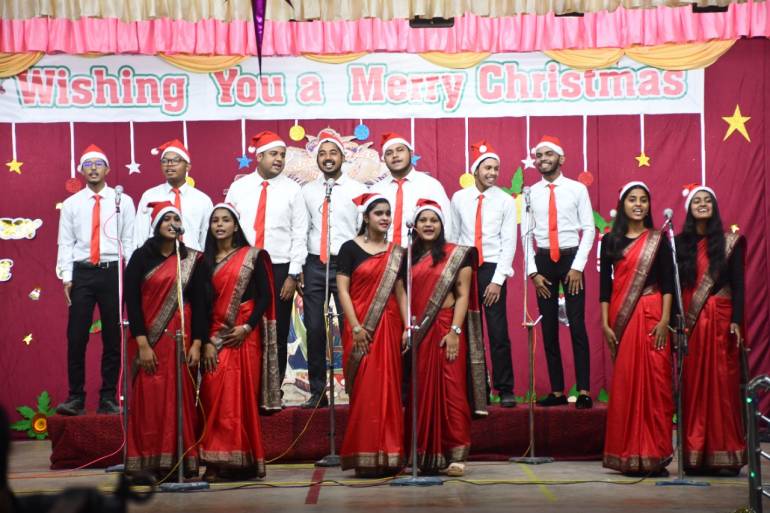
x,y
154,318
711,265
373,301
451,369
240,361
636,285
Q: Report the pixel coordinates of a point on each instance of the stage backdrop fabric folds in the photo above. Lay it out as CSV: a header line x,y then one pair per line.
x,y
737,169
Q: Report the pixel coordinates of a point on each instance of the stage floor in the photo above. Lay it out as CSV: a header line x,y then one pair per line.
x,y
490,487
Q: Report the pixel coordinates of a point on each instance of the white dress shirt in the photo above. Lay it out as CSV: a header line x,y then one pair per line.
x,y
343,213
285,218
416,186
196,210
75,229
574,214
498,226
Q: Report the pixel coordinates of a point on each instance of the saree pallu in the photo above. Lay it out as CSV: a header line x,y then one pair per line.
x,y
448,392
152,421
714,436
374,438
641,407
232,394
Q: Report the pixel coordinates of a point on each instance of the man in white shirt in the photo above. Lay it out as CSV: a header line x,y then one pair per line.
x,y
194,205
90,231
405,186
340,190
274,218
561,208
484,216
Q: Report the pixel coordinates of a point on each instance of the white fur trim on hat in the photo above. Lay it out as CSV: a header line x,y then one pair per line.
x,y
482,158
394,141
93,155
163,212
181,152
334,140
268,146
227,206
555,147
437,211
631,185
691,195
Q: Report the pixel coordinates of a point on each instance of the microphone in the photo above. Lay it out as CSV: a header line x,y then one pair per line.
x,y
668,214
409,224
118,192
329,184
526,191
179,230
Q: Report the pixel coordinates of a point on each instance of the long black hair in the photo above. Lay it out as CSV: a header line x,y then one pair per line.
x,y
613,241
687,246
154,242
362,228
436,250
210,249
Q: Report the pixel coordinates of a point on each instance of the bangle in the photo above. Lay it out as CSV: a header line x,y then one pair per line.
x,y
247,327
357,329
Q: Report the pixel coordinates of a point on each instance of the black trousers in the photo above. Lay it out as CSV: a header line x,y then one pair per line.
x,y
315,287
93,286
556,272
497,329
283,316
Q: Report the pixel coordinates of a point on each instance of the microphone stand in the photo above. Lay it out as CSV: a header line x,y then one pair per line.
x,y
530,327
332,459
681,336
414,479
180,485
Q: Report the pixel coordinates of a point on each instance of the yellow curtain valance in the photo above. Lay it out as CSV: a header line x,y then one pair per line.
x,y
203,63
342,58
12,64
455,60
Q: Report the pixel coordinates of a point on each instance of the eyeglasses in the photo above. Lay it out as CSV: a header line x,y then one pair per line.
x,y
172,162
88,164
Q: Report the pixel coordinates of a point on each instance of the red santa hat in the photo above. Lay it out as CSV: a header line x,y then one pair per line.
x,y
631,185
428,204
328,135
689,190
176,146
549,141
265,140
92,152
481,151
228,206
364,200
158,209
391,138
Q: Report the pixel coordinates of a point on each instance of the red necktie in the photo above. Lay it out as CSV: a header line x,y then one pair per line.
x,y
398,218
95,222
259,220
477,233
553,230
325,231
177,199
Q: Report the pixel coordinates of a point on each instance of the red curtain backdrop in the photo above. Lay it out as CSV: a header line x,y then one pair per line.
x,y
736,169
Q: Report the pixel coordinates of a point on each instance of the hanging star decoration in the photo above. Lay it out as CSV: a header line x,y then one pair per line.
x,y
133,167
737,122
28,339
415,158
529,162
243,161
643,159
14,166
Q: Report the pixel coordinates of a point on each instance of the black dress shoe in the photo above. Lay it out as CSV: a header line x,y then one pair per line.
x,y
316,401
584,402
108,407
72,407
553,400
507,400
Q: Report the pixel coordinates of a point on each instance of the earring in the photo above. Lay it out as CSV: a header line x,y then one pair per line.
x,y
366,233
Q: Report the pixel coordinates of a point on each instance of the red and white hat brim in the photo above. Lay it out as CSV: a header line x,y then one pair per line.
x,y
547,144
377,197
227,206
163,212
331,140
482,158
92,155
422,209
692,193
631,185
180,151
393,142
269,146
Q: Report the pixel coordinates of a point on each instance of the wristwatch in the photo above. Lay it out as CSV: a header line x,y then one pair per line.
x,y
456,329
357,329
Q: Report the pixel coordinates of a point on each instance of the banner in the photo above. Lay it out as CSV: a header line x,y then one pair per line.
x,y
145,88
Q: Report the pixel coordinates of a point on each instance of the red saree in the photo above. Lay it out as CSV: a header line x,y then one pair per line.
x,y
152,426
641,407
374,438
444,408
246,376
711,396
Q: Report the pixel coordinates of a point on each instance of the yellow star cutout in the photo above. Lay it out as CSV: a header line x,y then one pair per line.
x,y
737,122
734,228
643,159
28,339
14,166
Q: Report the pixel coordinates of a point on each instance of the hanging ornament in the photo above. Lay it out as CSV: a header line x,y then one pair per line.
x,y
243,161
528,161
188,179
735,122
297,132
361,132
466,179
643,159
5,269
14,166
133,167
72,184
34,295
28,339
586,178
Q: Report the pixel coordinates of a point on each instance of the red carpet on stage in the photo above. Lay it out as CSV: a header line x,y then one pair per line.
x,y
561,432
